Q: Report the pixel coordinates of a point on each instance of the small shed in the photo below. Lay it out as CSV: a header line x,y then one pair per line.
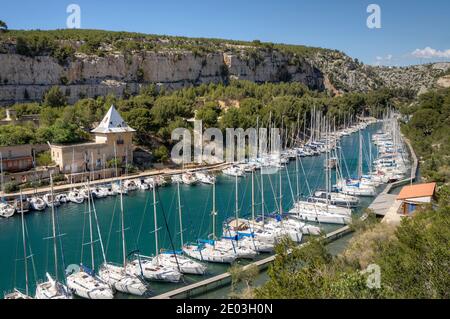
x,y
414,196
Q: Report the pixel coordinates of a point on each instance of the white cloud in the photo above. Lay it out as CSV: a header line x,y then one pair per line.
x,y
381,59
429,53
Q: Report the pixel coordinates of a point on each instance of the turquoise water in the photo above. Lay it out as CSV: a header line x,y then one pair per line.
x,y
138,206
334,248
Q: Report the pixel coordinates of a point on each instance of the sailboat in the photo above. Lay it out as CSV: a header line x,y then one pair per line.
x,y
243,231
52,288
205,178
176,259
356,187
327,196
37,203
281,225
150,267
243,248
322,212
75,196
206,250
84,282
233,170
117,276
189,178
16,293
6,210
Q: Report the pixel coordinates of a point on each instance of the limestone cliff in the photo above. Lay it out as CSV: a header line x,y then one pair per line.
x,y
121,63
28,78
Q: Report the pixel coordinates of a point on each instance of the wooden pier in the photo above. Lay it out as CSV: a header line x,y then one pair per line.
x,y
224,279
383,203
66,187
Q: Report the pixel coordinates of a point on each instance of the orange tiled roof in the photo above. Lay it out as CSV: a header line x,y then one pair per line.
x,y
419,190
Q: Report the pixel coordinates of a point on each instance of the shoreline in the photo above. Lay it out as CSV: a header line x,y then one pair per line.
x,y
155,172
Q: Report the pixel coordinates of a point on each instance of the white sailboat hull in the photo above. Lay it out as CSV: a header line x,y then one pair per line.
x,y
86,286
322,218
209,255
153,272
52,290
124,282
184,264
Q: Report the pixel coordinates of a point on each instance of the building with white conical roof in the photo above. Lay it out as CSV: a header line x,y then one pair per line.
x,y
113,138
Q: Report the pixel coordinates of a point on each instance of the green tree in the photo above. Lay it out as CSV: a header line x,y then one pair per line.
x,y
141,120
161,154
416,263
44,158
245,275
48,116
55,98
208,114
62,132
16,135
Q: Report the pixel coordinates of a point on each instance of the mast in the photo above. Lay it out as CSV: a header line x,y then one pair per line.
x,y
155,221
297,178
281,194
370,152
327,158
262,197
257,138
236,208
179,214
122,217
91,199
360,156
213,212
327,165
55,250
90,229
122,222
25,257
253,196
304,127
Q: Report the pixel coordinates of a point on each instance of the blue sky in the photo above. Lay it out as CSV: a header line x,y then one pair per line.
x,y
406,26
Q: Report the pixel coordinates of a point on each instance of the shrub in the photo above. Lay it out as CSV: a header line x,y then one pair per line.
x,y
55,98
44,159
161,154
11,187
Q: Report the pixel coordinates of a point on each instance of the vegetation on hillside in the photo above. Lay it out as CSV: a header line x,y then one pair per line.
x,y
154,113
414,260
428,128
38,42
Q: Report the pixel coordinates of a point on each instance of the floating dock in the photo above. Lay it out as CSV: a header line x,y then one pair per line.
x,y
381,205
224,279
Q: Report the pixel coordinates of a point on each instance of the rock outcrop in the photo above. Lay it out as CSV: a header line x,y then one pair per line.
x,y
27,79
24,79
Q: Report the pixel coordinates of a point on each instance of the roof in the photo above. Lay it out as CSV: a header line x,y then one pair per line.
x,y
418,190
112,123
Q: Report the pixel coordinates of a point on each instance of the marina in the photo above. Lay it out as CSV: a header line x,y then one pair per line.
x,y
192,200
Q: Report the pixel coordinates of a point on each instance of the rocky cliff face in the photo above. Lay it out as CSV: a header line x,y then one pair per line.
x,y
24,79
27,79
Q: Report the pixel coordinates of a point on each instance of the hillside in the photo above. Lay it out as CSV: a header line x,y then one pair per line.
x,y
90,63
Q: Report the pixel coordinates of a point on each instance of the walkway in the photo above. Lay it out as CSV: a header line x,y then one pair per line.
x,y
225,278
65,187
382,203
